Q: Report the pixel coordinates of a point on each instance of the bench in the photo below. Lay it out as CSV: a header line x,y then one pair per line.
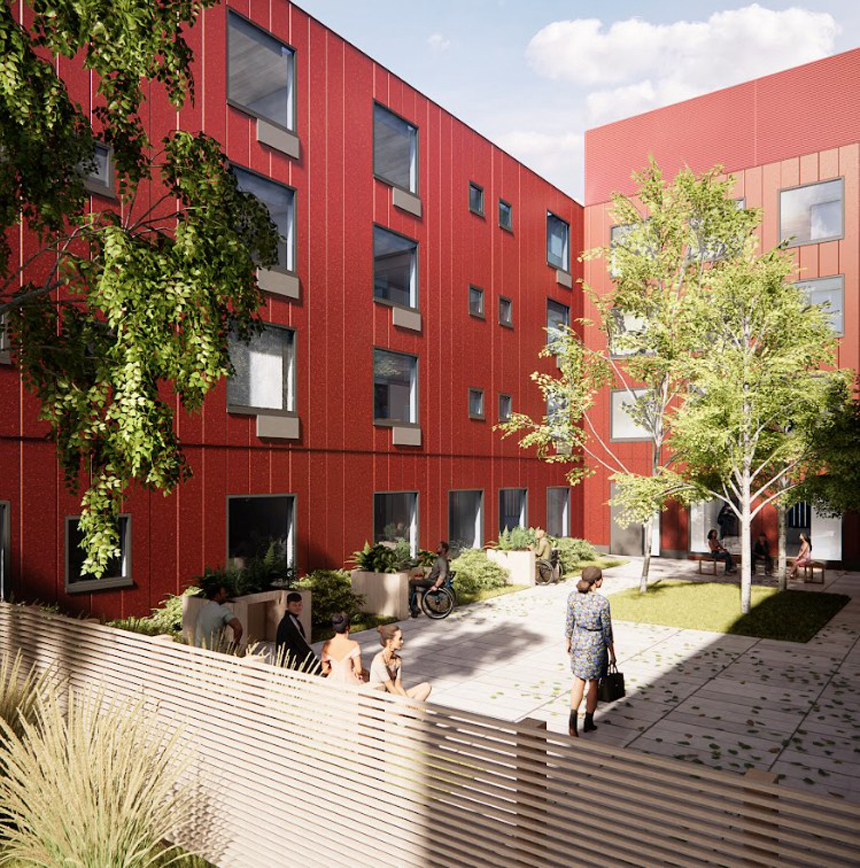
x,y
707,559
809,571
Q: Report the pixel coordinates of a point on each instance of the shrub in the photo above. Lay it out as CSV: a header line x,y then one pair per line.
x,y
332,592
266,569
166,618
378,558
19,694
516,539
97,785
476,572
572,551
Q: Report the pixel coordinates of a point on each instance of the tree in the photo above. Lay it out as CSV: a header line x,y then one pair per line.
x,y
672,236
116,309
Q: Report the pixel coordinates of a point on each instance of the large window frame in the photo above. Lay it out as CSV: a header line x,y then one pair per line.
x,y
288,123
781,202
817,285
478,520
290,542
414,266
414,522
414,152
413,395
88,586
562,262
615,396
565,516
524,509
553,334
288,355
5,548
289,240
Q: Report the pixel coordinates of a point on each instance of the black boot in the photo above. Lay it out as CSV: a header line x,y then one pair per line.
x,y
589,722
571,725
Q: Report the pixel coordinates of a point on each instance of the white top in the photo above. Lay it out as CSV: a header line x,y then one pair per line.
x,y
380,672
211,620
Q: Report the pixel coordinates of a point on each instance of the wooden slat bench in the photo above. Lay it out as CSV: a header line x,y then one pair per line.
x,y
809,571
707,559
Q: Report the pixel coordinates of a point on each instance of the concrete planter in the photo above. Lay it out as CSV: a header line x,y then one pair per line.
x,y
259,614
384,593
520,565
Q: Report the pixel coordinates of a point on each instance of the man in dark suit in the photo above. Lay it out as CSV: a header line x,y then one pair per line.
x,y
291,644
761,552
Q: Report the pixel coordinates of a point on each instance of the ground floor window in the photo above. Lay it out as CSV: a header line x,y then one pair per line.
x,y
465,519
558,511
4,549
395,518
512,508
118,570
258,524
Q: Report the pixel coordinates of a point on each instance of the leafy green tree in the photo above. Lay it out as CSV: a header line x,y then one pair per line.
x,y
673,236
117,311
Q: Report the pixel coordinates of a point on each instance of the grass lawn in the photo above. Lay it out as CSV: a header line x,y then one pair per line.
x,y
603,563
795,616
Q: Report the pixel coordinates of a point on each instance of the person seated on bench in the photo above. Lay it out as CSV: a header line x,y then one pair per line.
x,y
761,552
719,552
804,557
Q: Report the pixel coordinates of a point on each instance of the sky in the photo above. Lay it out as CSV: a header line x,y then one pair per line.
x,y
533,75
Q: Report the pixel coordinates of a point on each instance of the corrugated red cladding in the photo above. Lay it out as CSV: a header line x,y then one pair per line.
x,y
793,128
341,458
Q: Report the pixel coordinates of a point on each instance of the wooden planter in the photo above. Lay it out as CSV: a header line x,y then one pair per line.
x,y
259,614
520,565
384,594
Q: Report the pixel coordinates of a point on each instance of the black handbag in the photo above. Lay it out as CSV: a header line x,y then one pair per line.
x,y
611,686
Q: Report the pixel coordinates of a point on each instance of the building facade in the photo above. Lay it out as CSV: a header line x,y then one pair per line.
x,y
419,268
792,142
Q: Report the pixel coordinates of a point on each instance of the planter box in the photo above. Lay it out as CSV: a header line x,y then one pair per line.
x,y
259,614
384,593
520,565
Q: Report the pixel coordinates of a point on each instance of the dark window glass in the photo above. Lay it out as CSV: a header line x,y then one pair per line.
x,y
395,149
506,315
512,508
265,371
557,238
117,567
476,301
394,386
506,217
465,530
558,511
395,518
280,202
505,404
557,318
260,526
476,198
395,263
260,72
476,403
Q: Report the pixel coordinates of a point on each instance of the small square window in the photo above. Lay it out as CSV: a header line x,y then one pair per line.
x,y
476,199
476,301
812,214
505,408
395,149
265,377
506,215
118,570
476,403
506,312
557,242
395,387
395,268
280,201
829,292
260,72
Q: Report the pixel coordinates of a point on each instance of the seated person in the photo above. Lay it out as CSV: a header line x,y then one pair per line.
x,y
435,580
387,667
542,548
719,552
213,618
341,656
291,644
761,552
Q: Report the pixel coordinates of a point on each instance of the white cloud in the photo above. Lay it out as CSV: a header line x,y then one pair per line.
x,y
656,64
557,157
438,42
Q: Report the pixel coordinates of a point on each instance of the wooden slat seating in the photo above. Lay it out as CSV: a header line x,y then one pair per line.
x,y
809,571
714,563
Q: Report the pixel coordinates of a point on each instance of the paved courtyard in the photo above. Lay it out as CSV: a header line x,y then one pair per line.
x,y
730,702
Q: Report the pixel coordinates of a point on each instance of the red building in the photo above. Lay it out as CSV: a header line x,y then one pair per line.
x,y
419,267
792,142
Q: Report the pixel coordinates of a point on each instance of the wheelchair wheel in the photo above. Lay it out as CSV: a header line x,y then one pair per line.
x,y
438,604
545,574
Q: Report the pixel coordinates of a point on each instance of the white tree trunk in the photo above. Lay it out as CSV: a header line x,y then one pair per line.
x,y
780,567
746,546
646,561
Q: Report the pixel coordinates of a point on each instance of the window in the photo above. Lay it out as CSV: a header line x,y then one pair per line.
x,y
265,377
395,149
557,320
395,387
811,214
476,301
281,204
465,519
100,177
260,72
621,324
623,426
476,403
506,215
799,517
118,570
512,508
829,292
617,235
505,407
4,549
261,527
4,338
557,238
710,249
506,312
395,518
476,199
395,268
558,511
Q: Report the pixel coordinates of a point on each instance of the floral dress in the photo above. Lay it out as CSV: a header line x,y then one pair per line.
x,y
589,628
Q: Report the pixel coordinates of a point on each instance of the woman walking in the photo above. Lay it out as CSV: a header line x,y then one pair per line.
x,y
341,656
387,667
589,643
804,557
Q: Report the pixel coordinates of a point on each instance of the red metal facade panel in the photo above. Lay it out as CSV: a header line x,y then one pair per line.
x,y
341,458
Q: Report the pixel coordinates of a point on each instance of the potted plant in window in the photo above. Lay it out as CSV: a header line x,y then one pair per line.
x,y
511,551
